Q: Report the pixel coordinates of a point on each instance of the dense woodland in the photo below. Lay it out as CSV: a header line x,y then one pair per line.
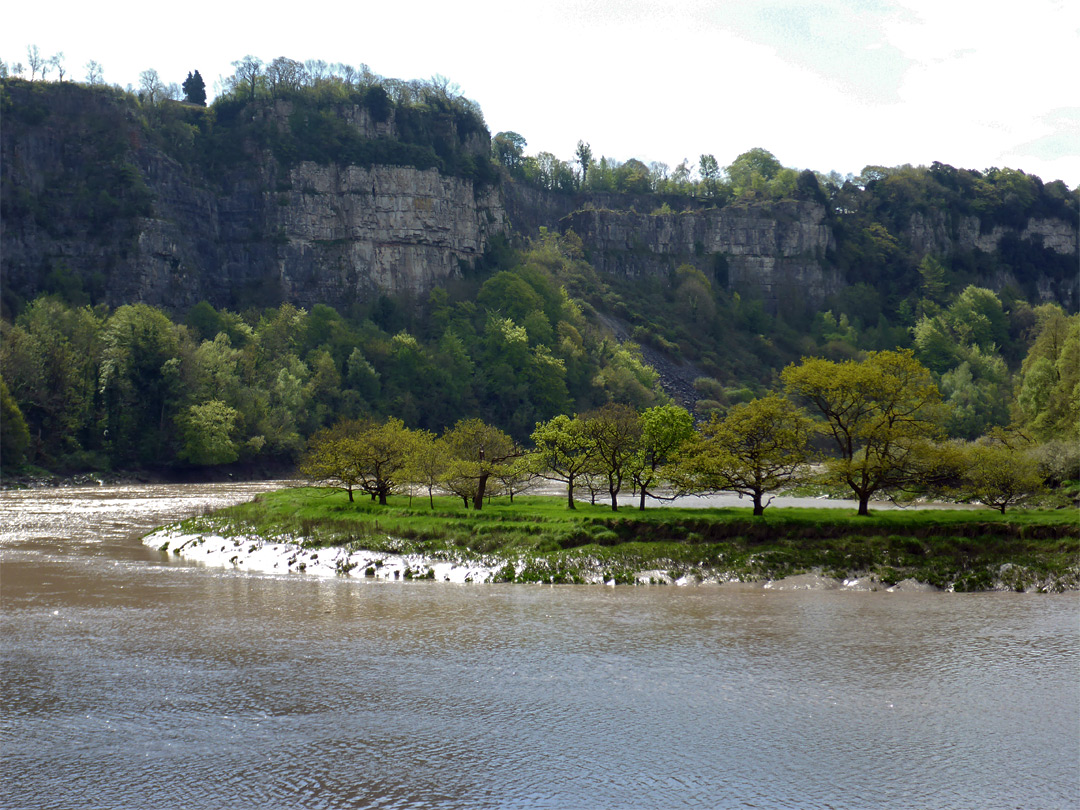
x,y
525,336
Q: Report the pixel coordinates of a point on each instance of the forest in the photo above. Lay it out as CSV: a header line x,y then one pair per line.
x,y
532,332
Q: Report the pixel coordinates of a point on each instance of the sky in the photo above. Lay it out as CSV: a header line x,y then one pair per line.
x,y
831,85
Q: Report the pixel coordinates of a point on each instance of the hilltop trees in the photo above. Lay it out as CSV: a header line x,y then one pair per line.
x,y
194,89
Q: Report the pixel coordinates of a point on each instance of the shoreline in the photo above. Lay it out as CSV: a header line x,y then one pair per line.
x,y
258,555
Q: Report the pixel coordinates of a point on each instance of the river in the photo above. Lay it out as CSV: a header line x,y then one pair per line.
x,y
132,679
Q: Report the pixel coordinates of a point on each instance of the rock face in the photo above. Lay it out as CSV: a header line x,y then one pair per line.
x,y
774,252
169,235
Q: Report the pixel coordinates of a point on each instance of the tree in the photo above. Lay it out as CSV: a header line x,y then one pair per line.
x,y
383,452
476,450
759,447
752,170
1049,395
248,72
427,462
583,153
35,61
284,75
331,458
615,431
139,381
49,358
564,451
1001,476
195,89
664,429
57,61
709,170
877,412
14,435
151,88
94,72
207,431
509,149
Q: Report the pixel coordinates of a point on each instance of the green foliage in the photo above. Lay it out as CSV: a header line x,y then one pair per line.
x,y
14,436
1000,476
206,434
1049,395
880,412
759,447
194,89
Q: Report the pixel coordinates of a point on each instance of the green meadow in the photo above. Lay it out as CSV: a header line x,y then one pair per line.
x,y
543,541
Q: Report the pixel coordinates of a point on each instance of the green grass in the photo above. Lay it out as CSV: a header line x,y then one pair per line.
x,y
545,541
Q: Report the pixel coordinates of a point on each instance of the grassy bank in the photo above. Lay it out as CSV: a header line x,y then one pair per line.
x,y
542,541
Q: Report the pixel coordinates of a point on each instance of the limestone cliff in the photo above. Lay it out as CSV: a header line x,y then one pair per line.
x,y
774,252
90,201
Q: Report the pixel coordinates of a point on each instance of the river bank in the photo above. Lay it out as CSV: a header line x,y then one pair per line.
x,y
257,555
320,533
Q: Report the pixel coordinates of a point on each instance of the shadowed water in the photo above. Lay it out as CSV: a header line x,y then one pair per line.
x,y
131,679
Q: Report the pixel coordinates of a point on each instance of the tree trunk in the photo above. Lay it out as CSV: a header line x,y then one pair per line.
x,y
759,510
864,505
350,495
570,494
478,499
382,498
641,505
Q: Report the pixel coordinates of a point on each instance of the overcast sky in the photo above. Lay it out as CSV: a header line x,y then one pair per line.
x,y
833,85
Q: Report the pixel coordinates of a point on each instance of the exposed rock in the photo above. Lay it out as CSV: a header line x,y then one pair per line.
x,y
769,251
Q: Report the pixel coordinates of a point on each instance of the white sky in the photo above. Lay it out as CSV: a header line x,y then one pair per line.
x,y
826,85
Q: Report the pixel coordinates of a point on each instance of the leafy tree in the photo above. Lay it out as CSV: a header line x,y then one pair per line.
x,y
515,477
1000,476
194,89
206,433
664,429
1049,396
14,436
709,170
509,149
139,381
50,361
752,170
583,153
332,457
758,448
476,451
563,451
879,413
615,432
383,452
427,462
